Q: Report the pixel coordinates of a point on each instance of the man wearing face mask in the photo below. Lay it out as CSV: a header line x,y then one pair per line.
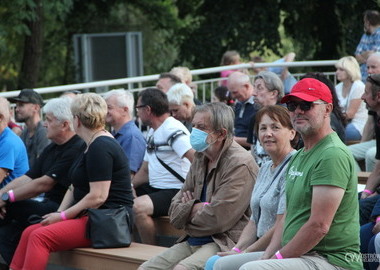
x,y
213,205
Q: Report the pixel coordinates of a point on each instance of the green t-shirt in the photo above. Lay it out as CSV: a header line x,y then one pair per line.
x,y
327,163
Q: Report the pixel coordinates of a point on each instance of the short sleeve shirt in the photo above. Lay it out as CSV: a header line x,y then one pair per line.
x,y
368,43
268,196
104,161
55,161
13,156
159,176
328,163
133,143
35,144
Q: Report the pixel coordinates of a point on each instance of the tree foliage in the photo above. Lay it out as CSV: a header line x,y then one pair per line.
x,y
230,25
194,33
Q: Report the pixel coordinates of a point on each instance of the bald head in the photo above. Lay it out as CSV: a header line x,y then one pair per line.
x,y
373,63
240,86
4,113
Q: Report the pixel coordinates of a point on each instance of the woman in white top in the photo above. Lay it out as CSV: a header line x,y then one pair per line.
x,y
349,92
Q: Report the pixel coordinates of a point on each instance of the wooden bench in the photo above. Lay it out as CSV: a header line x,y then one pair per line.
x,y
164,228
114,258
352,142
363,177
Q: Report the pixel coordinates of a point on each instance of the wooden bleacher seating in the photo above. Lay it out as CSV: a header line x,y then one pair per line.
x,y
100,259
116,258
352,142
363,177
164,228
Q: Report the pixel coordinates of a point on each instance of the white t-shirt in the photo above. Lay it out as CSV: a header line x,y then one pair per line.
x,y
159,176
356,92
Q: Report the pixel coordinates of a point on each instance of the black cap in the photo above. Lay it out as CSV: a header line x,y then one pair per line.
x,y
28,96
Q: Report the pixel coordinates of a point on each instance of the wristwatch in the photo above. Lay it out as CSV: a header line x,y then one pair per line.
x,y
5,197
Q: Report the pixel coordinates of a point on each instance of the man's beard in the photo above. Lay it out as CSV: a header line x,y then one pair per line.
x,y
20,119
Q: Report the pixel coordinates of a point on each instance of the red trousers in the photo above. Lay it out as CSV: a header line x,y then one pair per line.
x,y
38,241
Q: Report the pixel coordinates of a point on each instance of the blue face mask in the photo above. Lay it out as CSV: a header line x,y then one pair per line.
x,y
198,140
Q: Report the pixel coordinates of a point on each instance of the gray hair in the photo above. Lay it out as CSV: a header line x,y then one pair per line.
x,y
4,108
221,116
60,108
124,99
272,82
180,93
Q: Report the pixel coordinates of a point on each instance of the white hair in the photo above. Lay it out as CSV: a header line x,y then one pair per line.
x,y
180,93
60,108
124,99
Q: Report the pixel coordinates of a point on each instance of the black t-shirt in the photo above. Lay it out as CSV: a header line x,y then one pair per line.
x,y
377,132
104,160
55,161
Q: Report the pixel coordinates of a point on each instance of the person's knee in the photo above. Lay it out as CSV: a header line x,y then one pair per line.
x,y
142,206
37,238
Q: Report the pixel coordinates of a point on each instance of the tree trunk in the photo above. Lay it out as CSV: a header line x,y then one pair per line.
x,y
32,50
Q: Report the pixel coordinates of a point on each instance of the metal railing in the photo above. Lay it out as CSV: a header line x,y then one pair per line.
x,y
135,84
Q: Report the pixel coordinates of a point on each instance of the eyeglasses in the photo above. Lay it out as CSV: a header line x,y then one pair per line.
x,y
304,105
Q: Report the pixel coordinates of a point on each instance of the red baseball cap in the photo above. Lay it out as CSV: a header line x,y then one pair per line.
x,y
309,89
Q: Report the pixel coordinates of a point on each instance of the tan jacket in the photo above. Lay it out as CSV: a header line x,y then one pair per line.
x,y
229,187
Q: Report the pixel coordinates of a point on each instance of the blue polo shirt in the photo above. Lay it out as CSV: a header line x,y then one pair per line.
x,y
13,155
133,143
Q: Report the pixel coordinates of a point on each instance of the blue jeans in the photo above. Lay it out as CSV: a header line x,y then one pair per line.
x,y
352,134
367,244
365,208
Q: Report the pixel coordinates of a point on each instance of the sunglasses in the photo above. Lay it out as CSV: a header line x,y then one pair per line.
x,y
304,105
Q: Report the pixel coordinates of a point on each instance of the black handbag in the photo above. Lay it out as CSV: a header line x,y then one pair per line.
x,y
109,228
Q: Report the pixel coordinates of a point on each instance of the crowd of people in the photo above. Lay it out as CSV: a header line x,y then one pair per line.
x,y
262,177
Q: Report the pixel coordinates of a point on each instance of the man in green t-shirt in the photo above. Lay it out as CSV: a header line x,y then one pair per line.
x,y
320,229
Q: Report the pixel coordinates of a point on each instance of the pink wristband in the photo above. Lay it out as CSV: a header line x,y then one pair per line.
x,y
368,191
377,219
63,215
278,255
11,196
206,203
236,249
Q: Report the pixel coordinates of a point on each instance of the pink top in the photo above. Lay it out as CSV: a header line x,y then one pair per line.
x,y
224,74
